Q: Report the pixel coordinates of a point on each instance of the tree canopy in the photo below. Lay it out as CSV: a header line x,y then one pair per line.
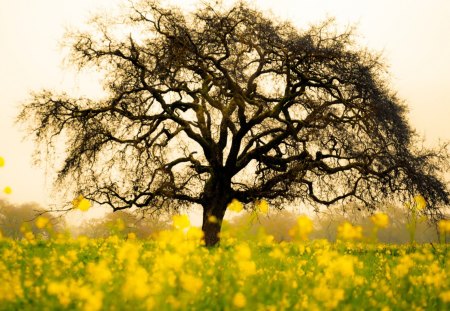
x,y
227,103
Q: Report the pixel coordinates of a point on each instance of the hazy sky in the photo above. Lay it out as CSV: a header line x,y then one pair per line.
x,y
411,34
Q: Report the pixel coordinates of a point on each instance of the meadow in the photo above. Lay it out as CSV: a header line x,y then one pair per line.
x,y
48,269
173,271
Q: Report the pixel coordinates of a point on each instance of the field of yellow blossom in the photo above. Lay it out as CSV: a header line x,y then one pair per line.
x,y
173,271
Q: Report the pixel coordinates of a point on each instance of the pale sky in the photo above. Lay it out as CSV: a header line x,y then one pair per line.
x,y
411,34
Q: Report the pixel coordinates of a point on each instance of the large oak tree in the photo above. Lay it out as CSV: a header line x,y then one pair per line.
x,y
204,107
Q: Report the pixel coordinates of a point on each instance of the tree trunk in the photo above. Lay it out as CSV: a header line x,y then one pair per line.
x,y
212,224
217,196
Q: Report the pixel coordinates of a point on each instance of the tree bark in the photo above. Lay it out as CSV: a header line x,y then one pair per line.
x,y
212,224
217,196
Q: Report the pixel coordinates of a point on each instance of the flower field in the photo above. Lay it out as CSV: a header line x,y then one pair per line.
x,y
173,271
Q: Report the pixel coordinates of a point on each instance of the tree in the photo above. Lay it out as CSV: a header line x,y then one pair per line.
x,y
221,104
15,217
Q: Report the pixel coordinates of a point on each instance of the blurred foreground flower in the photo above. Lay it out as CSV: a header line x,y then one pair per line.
x,y
239,300
235,206
131,236
346,231
444,226
262,206
213,219
2,162
303,228
420,201
7,190
181,222
81,203
381,220
42,222
419,204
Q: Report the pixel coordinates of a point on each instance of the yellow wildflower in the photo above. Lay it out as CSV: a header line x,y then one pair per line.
x,y
403,266
62,291
93,301
343,265
302,229
263,206
99,272
7,190
213,219
444,226
29,236
136,284
420,202
41,222
276,253
235,206
328,296
129,252
246,268
181,221
347,231
191,283
195,234
239,300
445,296
131,236
243,256
2,162
243,252
381,220
81,203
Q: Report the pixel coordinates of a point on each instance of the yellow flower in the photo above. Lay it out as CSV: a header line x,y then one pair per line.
x,y
403,266
93,301
29,235
235,206
131,236
62,291
445,296
343,265
195,234
303,228
276,253
380,220
136,283
246,268
99,272
7,190
81,203
181,221
263,206
242,252
191,283
41,222
2,162
444,226
128,252
347,231
213,219
239,300
420,202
